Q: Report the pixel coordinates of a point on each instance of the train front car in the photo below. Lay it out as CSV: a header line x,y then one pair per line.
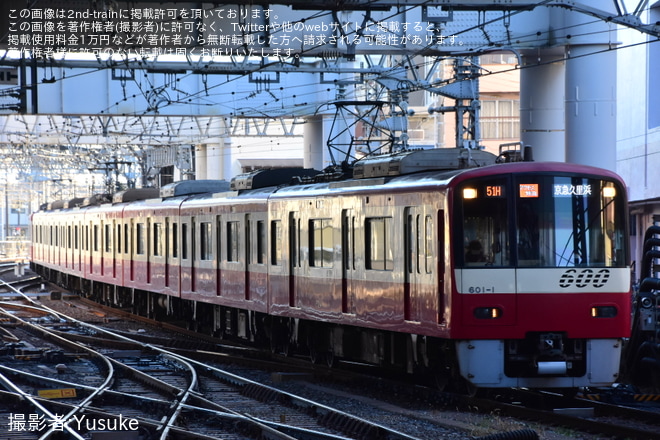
x,y
542,276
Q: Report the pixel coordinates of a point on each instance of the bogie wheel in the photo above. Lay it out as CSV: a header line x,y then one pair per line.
x,y
330,359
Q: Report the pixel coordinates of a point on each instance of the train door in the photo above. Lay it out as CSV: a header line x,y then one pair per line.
x,y
78,245
68,259
103,245
248,254
148,249
294,255
348,261
131,251
440,262
94,246
113,249
218,255
193,255
167,252
413,234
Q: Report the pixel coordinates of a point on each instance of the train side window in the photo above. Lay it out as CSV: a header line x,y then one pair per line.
x,y
428,244
379,254
205,241
321,245
127,238
96,238
108,238
294,240
232,241
157,239
75,237
261,242
118,238
276,242
175,240
184,241
139,231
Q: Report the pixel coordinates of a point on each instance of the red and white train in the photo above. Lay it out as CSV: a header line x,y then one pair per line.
x,y
435,261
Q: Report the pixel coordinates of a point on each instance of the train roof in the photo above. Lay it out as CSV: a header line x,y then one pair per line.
x,y
190,187
405,169
414,161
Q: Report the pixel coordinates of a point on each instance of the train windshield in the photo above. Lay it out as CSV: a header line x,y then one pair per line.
x,y
541,221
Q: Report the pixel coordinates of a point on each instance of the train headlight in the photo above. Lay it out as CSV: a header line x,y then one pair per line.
x,y
487,312
603,311
469,193
609,192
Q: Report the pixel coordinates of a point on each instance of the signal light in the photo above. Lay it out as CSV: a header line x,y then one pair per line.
x,y
603,311
487,313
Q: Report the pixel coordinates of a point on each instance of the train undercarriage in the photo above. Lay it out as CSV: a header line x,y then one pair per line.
x,y
429,360
425,359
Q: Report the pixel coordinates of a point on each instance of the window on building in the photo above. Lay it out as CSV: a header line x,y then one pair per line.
x,y
500,119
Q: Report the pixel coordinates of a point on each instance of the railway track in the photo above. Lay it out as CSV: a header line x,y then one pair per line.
x,y
181,393
580,414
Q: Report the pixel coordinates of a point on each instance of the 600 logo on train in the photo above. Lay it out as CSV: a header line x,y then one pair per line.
x,y
584,278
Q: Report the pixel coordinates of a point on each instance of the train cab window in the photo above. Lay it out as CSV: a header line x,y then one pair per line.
x,y
484,216
379,253
276,242
569,221
205,241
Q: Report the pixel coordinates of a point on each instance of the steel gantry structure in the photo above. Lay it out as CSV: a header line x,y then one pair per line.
x,y
352,64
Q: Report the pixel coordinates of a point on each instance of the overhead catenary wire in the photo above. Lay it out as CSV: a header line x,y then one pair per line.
x,y
281,102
